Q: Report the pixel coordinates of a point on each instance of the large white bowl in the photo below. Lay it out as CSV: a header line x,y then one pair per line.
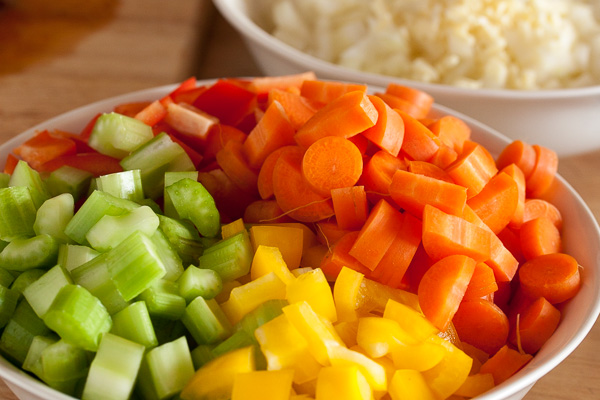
x,y
568,120
581,236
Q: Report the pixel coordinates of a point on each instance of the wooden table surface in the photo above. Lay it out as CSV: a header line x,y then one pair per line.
x,y
56,56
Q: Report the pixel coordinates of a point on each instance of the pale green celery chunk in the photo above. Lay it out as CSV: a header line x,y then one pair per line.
x,y
125,184
193,202
196,282
170,178
19,332
206,321
67,179
231,258
184,238
17,213
53,216
71,256
134,323
163,300
42,292
117,135
40,251
25,176
168,255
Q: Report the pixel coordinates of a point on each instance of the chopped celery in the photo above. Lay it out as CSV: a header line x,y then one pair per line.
x,y
33,360
42,292
170,178
8,304
163,300
53,216
168,255
193,202
6,278
196,282
114,370
25,176
206,322
184,238
236,341
78,317
71,256
19,332
67,179
25,279
62,361
117,135
17,213
134,323
231,257
261,315
40,251
125,184
202,354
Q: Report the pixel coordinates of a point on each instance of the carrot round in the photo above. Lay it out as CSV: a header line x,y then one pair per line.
x,y
515,172
418,98
554,276
265,174
330,163
482,324
534,208
350,206
505,363
379,170
442,288
452,131
473,169
388,131
536,323
262,211
298,109
544,170
325,92
519,153
482,283
419,142
538,237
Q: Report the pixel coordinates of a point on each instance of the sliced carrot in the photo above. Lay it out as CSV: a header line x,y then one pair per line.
x,y
511,240
445,234
473,169
505,363
519,153
419,98
413,191
452,131
218,136
535,208
482,324
419,142
482,283
536,324
331,162
234,164
388,132
325,92
298,109
338,257
264,84
10,164
329,232
517,174
350,206
444,156
361,142
377,234
379,170
272,131
497,202
398,103
539,236
429,169
264,211
553,276
152,113
293,194
442,288
544,170
345,116
265,174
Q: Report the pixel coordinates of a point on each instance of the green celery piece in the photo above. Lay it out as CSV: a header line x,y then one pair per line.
x,y
118,135
62,361
78,317
71,256
25,279
168,255
17,213
25,176
206,321
168,330
97,205
114,370
6,278
184,238
125,184
67,179
134,323
196,282
262,314
40,251
163,300
152,204
202,354
231,257
41,293
4,179
157,156
170,178
166,370
53,216
236,341
19,332
9,299
193,202
110,230
33,360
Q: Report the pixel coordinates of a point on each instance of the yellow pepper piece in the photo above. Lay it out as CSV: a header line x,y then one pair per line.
x,y
223,296
261,385
232,228
372,371
285,348
380,336
411,320
420,357
374,296
346,293
450,373
288,239
247,297
313,288
269,259
475,385
408,384
215,379
318,331
301,270
342,382
347,331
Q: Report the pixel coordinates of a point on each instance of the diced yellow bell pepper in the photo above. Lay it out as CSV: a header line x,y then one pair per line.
x,y
347,331
232,228
387,365
288,239
301,270
374,296
475,385
420,356
285,348
247,297
346,294
318,331
313,288
306,388
411,320
228,286
261,385
372,371
269,259
408,384
215,379
313,256
451,372
342,382
380,336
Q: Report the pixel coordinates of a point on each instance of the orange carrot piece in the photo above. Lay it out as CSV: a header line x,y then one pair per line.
x,y
403,105
265,174
539,236
515,172
452,131
445,234
429,169
218,136
542,176
511,240
535,208
483,282
442,288
379,170
536,324
519,153
497,202
420,263
272,131
264,84
473,169
413,191
554,276
331,162
388,132
419,142
263,211
232,161
338,257
350,206
376,235
293,194
298,109
345,116
325,92
482,324
504,364
329,232
361,142
419,98
444,156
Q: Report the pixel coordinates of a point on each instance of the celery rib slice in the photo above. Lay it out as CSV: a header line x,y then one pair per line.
x,y
192,201
40,251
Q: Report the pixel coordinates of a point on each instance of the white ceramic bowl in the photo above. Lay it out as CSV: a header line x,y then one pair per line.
x,y
568,121
581,236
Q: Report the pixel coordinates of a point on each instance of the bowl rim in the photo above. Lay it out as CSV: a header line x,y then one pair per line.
x,y
241,22
15,376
